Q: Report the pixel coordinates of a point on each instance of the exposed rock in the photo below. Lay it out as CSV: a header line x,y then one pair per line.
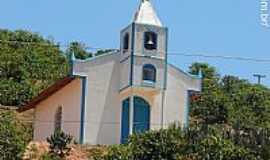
x,y
35,150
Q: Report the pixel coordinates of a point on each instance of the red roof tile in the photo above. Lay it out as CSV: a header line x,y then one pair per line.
x,y
46,93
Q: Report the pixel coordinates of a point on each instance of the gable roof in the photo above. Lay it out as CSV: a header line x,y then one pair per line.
x,y
46,93
146,14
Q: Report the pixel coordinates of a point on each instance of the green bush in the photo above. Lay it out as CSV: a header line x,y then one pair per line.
x,y
157,145
216,147
59,144
118,152
195,143
165,144
115,152
14,136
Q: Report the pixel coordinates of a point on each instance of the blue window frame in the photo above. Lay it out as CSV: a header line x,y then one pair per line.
x,y
149,73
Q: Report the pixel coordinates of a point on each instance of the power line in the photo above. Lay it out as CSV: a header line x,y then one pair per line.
x,y
219,57
168,53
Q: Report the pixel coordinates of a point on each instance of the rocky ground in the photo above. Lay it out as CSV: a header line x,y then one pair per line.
x,y
35,150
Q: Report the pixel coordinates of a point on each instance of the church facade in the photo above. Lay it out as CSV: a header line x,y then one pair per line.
x,y
131,90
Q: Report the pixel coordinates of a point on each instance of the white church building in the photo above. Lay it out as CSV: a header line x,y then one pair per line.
x,y
106,98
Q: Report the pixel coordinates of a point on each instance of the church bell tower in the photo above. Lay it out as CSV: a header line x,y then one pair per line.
x,y
144,44
143,67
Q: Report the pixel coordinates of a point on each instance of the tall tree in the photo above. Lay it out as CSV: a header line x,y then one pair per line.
x,y
29,63
230,100
79,50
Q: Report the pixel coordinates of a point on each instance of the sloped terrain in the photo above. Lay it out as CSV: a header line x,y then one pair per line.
x,y
35,150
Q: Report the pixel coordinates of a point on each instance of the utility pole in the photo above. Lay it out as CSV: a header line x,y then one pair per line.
x,y
259,77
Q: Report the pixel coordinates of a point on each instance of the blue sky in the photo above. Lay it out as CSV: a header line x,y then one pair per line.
x,y
224,27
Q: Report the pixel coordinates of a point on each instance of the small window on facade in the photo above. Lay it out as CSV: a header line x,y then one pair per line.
x,y
126,42
58,119
150,40
149,73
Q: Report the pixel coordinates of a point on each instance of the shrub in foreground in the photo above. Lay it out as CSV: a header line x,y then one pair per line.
x,y
59,144
116,152
14,136
177,144
163,144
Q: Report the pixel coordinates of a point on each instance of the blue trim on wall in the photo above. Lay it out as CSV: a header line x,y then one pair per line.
x,y
132,54
83,97
186,123
164,78
166,60
83,104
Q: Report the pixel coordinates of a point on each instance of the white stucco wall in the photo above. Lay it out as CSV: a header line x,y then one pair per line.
x,y
69,98
105,77
176,95
124,73
102,114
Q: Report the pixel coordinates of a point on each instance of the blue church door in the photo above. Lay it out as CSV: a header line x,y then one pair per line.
x,y
141,118
125,121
